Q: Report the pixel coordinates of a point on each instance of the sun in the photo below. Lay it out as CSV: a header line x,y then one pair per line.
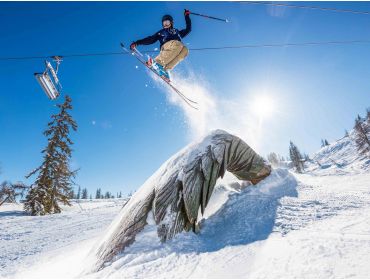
x,y
263,106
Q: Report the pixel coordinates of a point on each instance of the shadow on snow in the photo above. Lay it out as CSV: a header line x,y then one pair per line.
x,y
13,213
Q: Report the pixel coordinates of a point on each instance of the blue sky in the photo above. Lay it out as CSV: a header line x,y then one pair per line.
x,y
127,130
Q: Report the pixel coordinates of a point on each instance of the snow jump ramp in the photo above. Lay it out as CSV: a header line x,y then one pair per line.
x,y
175,198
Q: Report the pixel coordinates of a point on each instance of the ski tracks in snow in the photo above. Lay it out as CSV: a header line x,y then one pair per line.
x,y
289,225
311,226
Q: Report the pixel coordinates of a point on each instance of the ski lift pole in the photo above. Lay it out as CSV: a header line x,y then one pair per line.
x,y
210,17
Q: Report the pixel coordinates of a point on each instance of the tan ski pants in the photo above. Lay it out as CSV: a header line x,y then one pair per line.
x,y
171,54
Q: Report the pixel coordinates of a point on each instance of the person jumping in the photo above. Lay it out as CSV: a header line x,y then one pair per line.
x,y
172,50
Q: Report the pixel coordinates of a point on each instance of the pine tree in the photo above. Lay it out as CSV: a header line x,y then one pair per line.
x,y
90,197
55,179
120,195
98,193
324,143
9,192
362,140
346,134
306,157
84,194
78,193
296,157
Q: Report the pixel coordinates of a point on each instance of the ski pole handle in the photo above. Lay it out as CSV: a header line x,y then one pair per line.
x,y
210,17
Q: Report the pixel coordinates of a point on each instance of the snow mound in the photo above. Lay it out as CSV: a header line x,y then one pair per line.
x,y
238,214
176,193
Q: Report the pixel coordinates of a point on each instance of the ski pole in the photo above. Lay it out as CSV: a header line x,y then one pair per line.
x,y
221,19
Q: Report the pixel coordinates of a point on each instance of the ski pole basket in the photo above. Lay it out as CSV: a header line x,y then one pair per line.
x,y
48,79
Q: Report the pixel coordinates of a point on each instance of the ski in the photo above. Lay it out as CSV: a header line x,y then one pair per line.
x,y
141,58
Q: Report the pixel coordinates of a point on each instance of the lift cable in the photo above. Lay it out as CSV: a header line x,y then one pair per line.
x,y
306,7
200,49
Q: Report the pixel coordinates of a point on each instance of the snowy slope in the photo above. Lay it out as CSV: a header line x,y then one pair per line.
x,y
24,239
340,157
280,228
312,225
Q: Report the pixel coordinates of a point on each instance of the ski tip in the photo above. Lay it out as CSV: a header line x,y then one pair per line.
x,y
122,44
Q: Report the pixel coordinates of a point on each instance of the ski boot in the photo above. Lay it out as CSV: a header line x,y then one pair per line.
x,y
163,73
158,68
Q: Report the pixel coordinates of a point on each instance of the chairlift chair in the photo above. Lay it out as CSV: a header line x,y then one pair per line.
x,y
48,79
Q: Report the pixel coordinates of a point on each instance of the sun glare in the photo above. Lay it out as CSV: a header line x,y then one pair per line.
x,y
263,106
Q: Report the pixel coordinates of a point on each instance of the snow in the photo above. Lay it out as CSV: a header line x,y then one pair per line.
x,y
341,157
312,225
24,239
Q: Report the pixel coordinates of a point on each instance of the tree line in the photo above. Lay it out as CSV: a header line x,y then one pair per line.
x,y
54,181
360,136
99,194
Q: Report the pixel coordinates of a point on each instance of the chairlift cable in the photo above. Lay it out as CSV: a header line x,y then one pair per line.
x,y
306,7
284,45
200,49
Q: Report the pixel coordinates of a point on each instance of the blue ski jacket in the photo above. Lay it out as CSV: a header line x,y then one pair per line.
x,y
167,34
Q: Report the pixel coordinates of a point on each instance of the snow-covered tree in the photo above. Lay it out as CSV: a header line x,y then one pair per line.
x,y
54,178
296,157
9,192
362,136
84,193
346,134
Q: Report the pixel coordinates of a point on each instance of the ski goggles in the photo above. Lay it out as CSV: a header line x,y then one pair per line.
x,y
166,22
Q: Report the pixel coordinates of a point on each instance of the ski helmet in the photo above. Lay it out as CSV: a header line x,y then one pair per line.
x,y
167,17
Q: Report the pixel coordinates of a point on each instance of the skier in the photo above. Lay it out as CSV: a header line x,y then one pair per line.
x,y
172,50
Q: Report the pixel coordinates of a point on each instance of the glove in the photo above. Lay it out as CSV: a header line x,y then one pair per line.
x,y
186,12
133,46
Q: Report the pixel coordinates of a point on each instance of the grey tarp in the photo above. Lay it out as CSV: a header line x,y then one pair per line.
x,y
174,195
